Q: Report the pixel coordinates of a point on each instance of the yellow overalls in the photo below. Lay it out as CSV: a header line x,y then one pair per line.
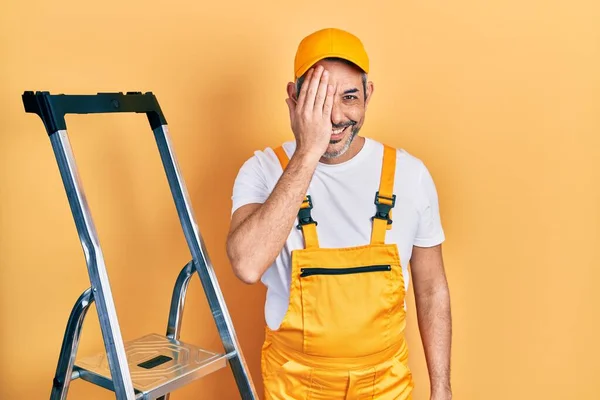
x,y
343,334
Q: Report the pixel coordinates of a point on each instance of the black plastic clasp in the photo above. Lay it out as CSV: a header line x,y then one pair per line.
x,y
52,108
304,217
383,210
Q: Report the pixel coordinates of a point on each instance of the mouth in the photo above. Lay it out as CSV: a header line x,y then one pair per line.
x,y
338,133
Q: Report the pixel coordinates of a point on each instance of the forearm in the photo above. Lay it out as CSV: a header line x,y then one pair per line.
x,y
435,325
257,241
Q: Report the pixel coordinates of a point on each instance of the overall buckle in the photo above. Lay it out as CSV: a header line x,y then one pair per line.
x,y
383,210
304,217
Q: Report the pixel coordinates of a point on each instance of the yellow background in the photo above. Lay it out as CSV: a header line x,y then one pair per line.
x,y
500,99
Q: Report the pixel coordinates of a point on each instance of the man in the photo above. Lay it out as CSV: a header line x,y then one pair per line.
x,y
329,223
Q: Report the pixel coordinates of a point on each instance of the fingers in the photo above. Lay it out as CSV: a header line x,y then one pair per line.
x,y
312,87
328,106
304,88
316,94
321,92
292,107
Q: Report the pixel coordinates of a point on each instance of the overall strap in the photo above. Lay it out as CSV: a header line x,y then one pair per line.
x,y
282,156
305,221
385,199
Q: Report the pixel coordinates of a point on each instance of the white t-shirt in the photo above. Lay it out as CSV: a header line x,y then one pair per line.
x,y
343,198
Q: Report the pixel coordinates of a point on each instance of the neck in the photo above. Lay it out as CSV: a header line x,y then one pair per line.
x,y
355,147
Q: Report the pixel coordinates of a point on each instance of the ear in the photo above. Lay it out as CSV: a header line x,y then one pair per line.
x,y
369,94
291,91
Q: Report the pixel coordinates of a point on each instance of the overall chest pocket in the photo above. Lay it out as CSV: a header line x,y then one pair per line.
x,y
346,310
304,272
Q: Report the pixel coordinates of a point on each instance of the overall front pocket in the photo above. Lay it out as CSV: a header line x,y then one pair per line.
x,y
290,381
346,310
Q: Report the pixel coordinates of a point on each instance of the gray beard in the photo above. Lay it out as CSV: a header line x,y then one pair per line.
x,y
335,154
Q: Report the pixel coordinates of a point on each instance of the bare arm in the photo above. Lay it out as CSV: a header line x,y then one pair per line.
x,y
432,299
258,231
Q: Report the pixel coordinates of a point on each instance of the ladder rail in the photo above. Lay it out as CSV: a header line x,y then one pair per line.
x,y
66,360
203,264
178,300
177,305
100,285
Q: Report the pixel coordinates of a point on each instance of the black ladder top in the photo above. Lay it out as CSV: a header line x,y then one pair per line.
x,y
52,108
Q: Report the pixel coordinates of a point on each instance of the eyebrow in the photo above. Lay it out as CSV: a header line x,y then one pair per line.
x,y
355,90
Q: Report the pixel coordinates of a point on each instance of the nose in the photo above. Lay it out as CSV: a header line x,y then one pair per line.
x,y
337,114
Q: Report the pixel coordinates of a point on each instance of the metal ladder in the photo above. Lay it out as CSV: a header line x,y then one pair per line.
x,y
154,365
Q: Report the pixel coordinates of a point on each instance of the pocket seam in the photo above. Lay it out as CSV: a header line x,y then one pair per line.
x,y
403,367
271,372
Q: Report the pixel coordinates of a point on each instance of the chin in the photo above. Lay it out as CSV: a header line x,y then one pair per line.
x,y
337,145
334,143
338,148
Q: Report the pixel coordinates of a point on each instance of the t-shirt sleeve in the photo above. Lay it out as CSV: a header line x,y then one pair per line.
x,y
430,232
250,185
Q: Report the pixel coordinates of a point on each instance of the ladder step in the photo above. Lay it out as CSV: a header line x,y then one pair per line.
x,y
158,365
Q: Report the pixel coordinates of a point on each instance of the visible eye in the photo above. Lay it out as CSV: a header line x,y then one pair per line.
x,y
350,97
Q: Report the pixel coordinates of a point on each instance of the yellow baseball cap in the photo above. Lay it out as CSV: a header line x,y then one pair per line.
x,y
329,42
